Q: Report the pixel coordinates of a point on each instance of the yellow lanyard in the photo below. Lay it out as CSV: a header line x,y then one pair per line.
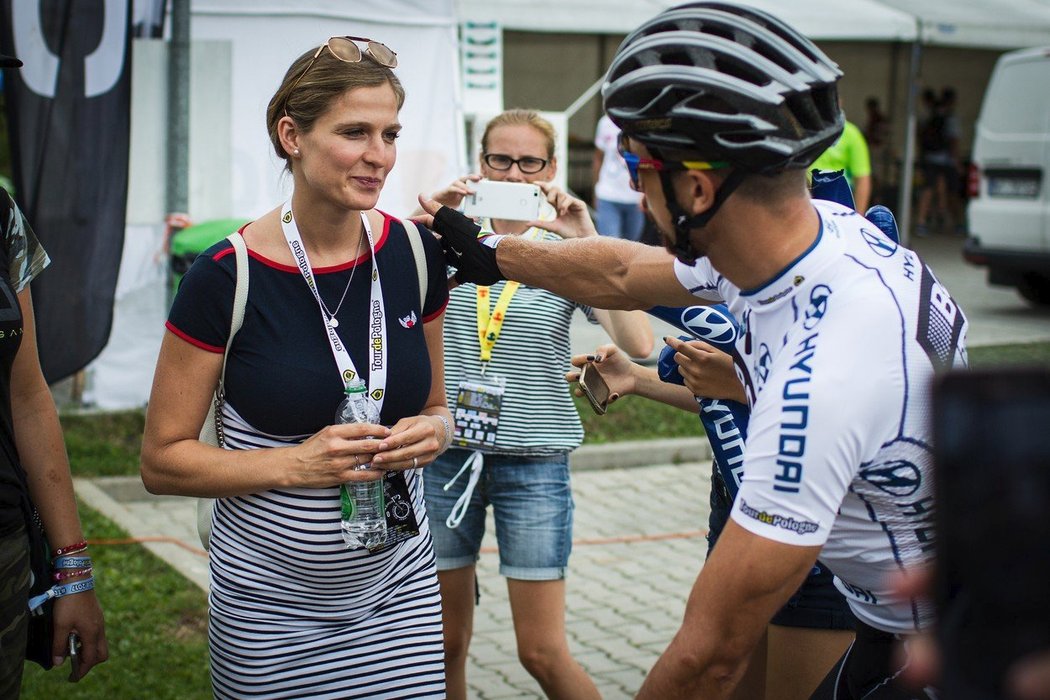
x,y
490,322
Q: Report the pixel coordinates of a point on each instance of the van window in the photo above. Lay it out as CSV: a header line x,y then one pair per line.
x,y
1018,100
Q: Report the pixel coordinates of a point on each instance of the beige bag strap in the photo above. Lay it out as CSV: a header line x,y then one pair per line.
x,y
421,259
211,432
240,296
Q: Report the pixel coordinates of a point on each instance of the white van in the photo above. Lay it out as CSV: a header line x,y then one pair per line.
x,y
1009,213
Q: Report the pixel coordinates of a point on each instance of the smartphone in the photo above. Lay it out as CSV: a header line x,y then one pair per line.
x,y
992,563
515,201
74,657
594,388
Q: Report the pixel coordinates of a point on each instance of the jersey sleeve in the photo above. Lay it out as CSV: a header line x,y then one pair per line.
x,y
26,258
203,305
822,415
700,279
437,276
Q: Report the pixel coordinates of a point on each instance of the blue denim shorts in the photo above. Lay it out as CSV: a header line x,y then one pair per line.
x,y
817,604
531,501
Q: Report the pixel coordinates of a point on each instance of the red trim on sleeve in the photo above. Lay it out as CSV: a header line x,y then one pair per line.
x,y
430,317
193,341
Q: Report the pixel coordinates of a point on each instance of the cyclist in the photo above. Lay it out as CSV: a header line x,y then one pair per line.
x,y
723,107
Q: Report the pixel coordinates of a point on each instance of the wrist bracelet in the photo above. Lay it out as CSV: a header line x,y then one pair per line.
x,y
448,432
59,590
71,562
70,549
63,575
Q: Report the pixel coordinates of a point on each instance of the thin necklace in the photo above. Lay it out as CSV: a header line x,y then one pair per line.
x,y
333,322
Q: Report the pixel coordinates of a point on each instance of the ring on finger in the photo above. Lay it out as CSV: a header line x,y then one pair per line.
x,y
415,462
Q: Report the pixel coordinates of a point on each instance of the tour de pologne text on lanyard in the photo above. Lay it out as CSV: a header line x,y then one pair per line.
x,y
377,366
490,321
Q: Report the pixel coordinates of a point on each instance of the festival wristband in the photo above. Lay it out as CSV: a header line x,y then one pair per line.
x,y
492,240
63,575
61,590
71,562
70,549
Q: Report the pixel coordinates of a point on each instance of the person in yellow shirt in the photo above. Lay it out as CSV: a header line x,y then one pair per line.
x,y
850,153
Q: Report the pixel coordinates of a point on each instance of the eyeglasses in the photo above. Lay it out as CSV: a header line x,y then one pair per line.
x,y
348,50
636,163
527,164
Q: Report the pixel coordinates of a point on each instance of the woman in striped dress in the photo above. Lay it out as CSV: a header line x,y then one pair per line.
x,y
333,294
509,345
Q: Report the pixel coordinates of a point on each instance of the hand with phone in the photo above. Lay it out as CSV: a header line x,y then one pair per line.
x,y
74,657
572,218
452,196
79,633
604,376
503,200
594,388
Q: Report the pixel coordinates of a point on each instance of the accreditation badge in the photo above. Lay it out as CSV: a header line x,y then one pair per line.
x,y
477,411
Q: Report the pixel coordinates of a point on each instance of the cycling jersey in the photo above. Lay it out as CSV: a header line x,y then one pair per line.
x,y
836,355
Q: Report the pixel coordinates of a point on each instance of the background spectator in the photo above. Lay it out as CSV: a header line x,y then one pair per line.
x,y
619,207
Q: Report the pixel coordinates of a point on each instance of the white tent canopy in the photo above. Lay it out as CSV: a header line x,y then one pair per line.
x,y
868,20
971,23
991,24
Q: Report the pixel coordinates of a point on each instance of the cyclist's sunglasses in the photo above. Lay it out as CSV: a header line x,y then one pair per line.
x,y
348,50
636,163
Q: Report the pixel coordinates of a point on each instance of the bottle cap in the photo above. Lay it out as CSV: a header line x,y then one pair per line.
x,y
355,386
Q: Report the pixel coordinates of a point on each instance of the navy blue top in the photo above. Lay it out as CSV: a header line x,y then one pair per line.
x,y
281,376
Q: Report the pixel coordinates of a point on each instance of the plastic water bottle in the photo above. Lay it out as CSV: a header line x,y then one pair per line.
x,y
363,503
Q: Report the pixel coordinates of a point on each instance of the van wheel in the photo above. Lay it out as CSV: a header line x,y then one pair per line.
x,y
1035,288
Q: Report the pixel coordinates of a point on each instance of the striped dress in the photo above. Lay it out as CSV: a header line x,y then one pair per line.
x,y
294,614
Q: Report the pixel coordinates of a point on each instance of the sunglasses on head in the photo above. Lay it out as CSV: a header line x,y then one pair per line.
x,y
636,163
348,50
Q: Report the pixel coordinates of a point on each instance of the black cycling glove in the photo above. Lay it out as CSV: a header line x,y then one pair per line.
x,y
474,260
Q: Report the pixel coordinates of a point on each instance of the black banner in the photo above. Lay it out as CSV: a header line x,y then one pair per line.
x,y
69,110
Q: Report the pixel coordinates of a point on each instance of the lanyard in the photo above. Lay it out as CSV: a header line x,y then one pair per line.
x,y
377,313
490,321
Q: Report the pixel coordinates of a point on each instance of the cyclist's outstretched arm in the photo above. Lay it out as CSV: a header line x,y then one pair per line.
x,y
746,579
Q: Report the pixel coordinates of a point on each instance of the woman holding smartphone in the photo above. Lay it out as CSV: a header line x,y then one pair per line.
x,y
507,349
333,296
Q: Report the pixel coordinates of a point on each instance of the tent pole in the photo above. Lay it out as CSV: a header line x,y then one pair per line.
x,y
584,98
908,168
177,175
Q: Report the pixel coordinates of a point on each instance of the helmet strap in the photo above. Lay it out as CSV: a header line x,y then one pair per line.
x,y
684,224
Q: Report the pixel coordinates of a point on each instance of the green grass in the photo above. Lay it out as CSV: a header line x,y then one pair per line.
x,y
104,444
1030,354
156,627
635,418
156,620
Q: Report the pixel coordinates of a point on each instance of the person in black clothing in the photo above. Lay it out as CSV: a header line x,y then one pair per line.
x,y
940,163
33,467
